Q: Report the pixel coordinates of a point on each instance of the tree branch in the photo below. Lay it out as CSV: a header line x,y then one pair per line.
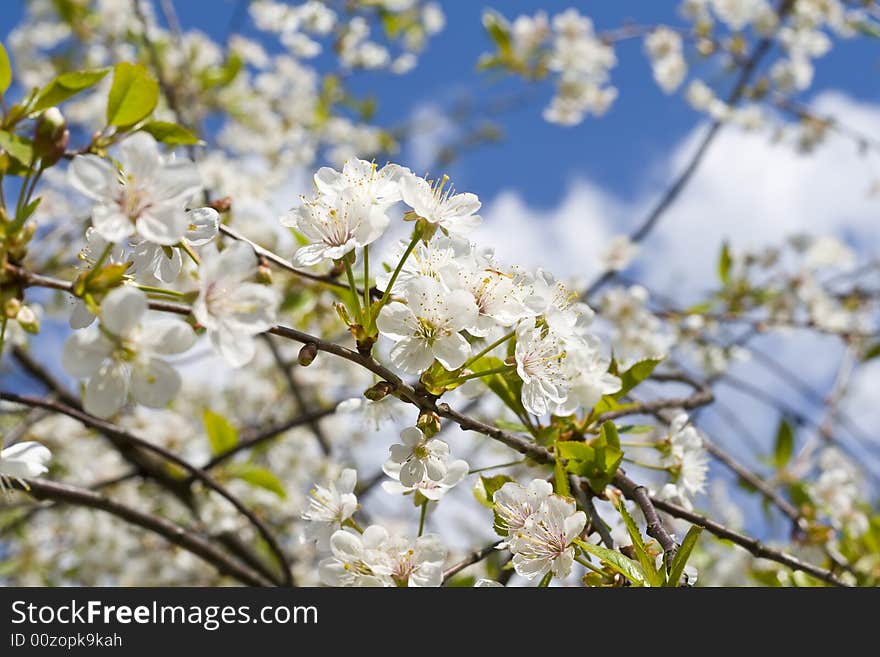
x,y
108,428
174,533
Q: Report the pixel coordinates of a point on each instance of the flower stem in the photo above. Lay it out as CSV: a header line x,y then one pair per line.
x,y
158,290
351,523
187,249
494,370
417,233
496,467
354,292
649,466
545,581
422,516
587,564
367,319
485,351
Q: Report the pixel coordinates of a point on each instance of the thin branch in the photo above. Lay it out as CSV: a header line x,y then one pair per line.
x,y
471,559
753,545
108,428
174,533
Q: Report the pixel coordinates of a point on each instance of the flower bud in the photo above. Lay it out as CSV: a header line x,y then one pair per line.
x,y
429,423
264,274
378,391
50,136
307,354
27,319
11,308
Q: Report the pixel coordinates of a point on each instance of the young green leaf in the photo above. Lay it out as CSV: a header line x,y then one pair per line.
x,y
170,133
485,488
133,96
221,434
725,260
618,562
676,569
5,70
784,444
560,477
872,352
645,559
65,86
19,149
257,476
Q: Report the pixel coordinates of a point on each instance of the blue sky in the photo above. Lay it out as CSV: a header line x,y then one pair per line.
x,y
538,159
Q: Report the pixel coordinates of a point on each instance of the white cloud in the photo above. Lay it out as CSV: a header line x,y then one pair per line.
x,y
749,189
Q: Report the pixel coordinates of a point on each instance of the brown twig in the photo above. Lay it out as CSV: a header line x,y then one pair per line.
x,y
753,545
108,428
174,533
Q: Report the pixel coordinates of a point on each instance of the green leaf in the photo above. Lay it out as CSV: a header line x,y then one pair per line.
x,y
724,262
616,561
170,133
636,374
221,76
257,476
508,387
133,96
498,30
681,557
573,450
872,352
221,434
629,379
868,29
645,559
65,86
784,444
5,70
486,487
20,149
560,477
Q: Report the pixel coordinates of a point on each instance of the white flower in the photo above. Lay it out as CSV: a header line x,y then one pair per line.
x,y
330,507
335,225
588,378
688,461
427,487
487,583
540,362
620,253
374,413
515,504
122,357
440,205
357,560
543,544
497,296
419,564
427,326
419,457
379,187
828,251
147,195
837,491
230,308
664,46
23,461
440,259
156,261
